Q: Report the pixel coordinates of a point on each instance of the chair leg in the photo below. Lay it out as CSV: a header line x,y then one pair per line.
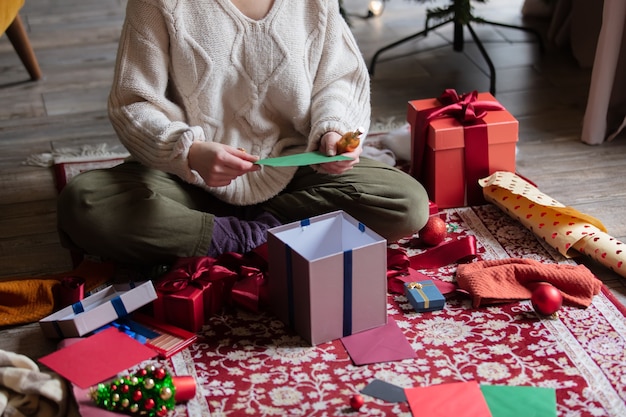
x,y
18,37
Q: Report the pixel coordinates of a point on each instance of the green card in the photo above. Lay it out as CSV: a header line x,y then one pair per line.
x,y
516,401
301,159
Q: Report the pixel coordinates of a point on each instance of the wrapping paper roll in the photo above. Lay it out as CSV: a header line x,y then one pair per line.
x,y
567,230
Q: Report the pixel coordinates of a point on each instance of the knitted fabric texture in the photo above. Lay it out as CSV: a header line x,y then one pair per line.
x,y
27,300
504,280
26,391
193,71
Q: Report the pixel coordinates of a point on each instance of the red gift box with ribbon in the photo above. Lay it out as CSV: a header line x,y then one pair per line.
x,y
194,289
458,139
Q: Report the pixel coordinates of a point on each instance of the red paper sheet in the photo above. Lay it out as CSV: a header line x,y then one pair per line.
x,y
446,400
97,358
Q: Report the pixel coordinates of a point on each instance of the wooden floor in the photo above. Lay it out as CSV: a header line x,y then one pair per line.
x,y
76,42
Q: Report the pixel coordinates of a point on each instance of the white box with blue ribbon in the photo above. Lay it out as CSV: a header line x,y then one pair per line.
x,y
97,310
327,276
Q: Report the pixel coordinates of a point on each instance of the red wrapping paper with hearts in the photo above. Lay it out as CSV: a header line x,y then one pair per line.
x,y
567,230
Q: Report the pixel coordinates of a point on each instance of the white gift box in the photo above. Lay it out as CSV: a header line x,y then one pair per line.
x,y
98,310
327,276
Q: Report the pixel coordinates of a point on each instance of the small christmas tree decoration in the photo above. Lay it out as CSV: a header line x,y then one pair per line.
x,y
151,392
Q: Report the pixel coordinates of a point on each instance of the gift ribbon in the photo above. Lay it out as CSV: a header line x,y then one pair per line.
x,y
194,271
133,329
401,267
78,308
469,112
347,292
291,311
460,250
398,272
118,306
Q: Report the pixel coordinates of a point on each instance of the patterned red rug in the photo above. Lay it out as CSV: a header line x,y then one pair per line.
x,y
250,364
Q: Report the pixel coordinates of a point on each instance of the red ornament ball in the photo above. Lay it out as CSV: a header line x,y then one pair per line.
x,y
356,402
149,404
546,299
434,231
137,395
159,373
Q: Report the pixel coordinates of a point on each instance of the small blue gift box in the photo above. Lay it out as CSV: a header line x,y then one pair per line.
x,y
424,295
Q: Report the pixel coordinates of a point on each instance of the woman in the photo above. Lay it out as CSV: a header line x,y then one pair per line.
x,y
202,90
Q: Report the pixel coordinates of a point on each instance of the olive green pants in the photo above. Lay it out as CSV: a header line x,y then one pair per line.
x,y
138,215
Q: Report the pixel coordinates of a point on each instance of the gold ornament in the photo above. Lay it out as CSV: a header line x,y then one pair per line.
x,y
148,383
166,393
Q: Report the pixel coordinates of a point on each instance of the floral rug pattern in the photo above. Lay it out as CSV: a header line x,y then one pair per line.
x,y
250,364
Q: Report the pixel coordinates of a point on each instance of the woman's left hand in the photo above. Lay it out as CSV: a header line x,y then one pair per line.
x,y
328,146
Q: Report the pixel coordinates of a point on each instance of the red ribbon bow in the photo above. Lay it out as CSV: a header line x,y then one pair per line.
x,y
200,271
466,108
401,268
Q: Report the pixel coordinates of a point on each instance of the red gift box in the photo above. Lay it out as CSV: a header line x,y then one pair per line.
x,y
192,291
455,141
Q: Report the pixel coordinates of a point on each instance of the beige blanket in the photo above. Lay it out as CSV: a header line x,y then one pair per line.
x,y
27,391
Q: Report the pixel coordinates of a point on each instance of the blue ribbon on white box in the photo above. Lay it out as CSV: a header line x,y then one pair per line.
x,y
118,306
77,307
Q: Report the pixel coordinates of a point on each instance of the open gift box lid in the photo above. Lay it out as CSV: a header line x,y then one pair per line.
x,y
98,310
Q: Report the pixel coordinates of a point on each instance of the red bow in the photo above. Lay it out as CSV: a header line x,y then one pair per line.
x,y
200,271
466,108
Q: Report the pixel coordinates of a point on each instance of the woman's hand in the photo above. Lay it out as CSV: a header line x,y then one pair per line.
x,y
328,146
219,164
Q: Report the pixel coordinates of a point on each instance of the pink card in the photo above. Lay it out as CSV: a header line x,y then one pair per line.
x,y
445,400
97,358
382,344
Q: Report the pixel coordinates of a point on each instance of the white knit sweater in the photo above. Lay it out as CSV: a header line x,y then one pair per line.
x,y
200,70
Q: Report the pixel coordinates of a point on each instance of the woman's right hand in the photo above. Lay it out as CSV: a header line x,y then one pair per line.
x,y
219,164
